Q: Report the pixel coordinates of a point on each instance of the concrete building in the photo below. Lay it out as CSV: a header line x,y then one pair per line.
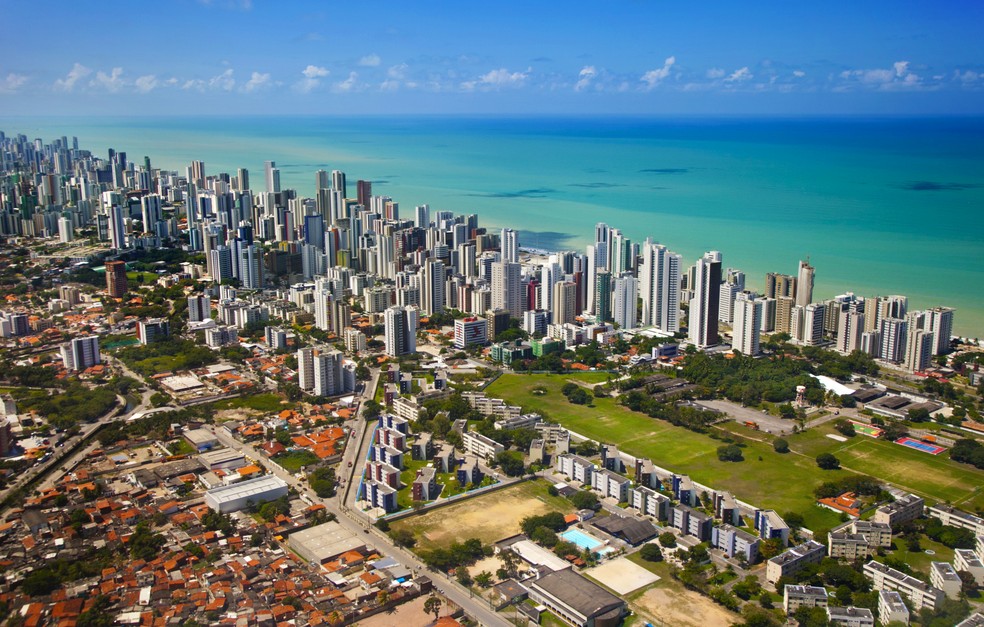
x,y
967,561
425,487
470,331
770,525
576,600
611,484
325,542
949,515
480,445
575,467
691,522
400,330
920,594
747,326
849,546
735,542
705,304
116,284
944,576
237,496
81,353
891,608
794,560
795,597
650,502
900,511
850,617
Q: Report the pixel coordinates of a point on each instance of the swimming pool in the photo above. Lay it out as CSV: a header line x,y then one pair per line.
x,y
585,541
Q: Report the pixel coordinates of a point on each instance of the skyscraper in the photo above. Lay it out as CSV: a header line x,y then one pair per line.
x,y
659,278
507,288
746,330
509,243
272,177
81,353
919,350
625,298
940,322
804,284
305,368
199,307
432,283
400,330
564,302
117,227
116,278
603,296
704,306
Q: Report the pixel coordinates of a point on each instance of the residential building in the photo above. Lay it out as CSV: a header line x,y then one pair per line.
x,y
747,326
692,522
735,542
152,329
804,283
795,597
470,331
507,288
849,546
967,561
649,502
659,288
81,353
793,560
705,304
944,576
683,490
900,511
469,472
575,467
850,617
199,307
611,484
381,472
480,445
624,302
400,330
920,594
892,608
425,487
770,525
949,515
379,495
218,337
116,284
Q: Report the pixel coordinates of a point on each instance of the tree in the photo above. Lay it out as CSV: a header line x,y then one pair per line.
x,y
433,606
651,553
780,445
730,453
403,537
667,539
582,499
484,579
371,409
827,461
511,463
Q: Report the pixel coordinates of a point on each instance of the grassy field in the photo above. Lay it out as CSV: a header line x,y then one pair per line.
x,y
765,478
294,460
267,402
919,561
490,517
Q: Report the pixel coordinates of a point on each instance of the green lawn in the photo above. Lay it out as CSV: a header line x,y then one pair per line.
x,y
765,478
267,402
293,460
919,561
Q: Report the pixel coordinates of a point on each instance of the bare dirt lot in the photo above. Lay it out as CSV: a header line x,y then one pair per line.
x,y
684,608
490,517
409,614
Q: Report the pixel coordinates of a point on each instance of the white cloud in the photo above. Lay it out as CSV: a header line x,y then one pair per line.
x,y
799,73
739,75
715,72
313,71
77,73
968,76
398,72
12,83
901,68
652,78
257,81
147,83
223,81
898,77
110,82
370,60
496,79
584,77
349,84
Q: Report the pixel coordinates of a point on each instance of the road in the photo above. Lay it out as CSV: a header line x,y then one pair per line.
x,y
357,522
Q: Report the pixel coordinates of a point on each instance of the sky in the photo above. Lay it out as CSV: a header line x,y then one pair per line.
x,y
225,57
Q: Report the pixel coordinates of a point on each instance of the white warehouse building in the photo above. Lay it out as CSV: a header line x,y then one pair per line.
x,y
237,496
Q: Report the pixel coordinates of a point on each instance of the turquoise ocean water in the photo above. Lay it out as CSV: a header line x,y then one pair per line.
x,y
881,206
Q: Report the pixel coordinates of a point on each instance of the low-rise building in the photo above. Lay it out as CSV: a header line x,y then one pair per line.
x,y
683,490
849,546
770,525
726,508
237,496
425,486
792,561
577,601
575,467
734,541
691,522
611,484
469,472
850,617
795,597
650,502
945,577
480,445
201,439
900,511
379,495
920,594
967,561
949,515
423,447
891,608
974,620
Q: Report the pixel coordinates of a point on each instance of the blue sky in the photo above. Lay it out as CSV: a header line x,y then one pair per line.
x,y
637,57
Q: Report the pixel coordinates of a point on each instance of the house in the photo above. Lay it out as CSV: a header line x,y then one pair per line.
x,y
576,600
795,597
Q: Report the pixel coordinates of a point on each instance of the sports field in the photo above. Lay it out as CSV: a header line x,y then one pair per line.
x,y
868,430
781,482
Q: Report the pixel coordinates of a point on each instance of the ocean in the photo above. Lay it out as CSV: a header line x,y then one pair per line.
x,y
879,205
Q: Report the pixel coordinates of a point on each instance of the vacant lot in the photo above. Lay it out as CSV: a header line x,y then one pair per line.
x,y
667,602
490,517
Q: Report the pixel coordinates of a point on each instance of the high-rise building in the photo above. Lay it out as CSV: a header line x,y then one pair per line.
x,y
199,307
893,338
625,297
893,307
777,285
152,330
400,330
65,230
804,284
469,331
940,323
850,329
116,278
659,278
705,304
509,243
328,379
433,277
421,214
338,182
305,368
117,227
806,326
919,350
81,353
151,212
507,288
251,266
272,177
564,302
603,296
747,327
784,314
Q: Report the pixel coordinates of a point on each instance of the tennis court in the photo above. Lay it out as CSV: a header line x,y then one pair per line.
x,y
932,449
865,429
